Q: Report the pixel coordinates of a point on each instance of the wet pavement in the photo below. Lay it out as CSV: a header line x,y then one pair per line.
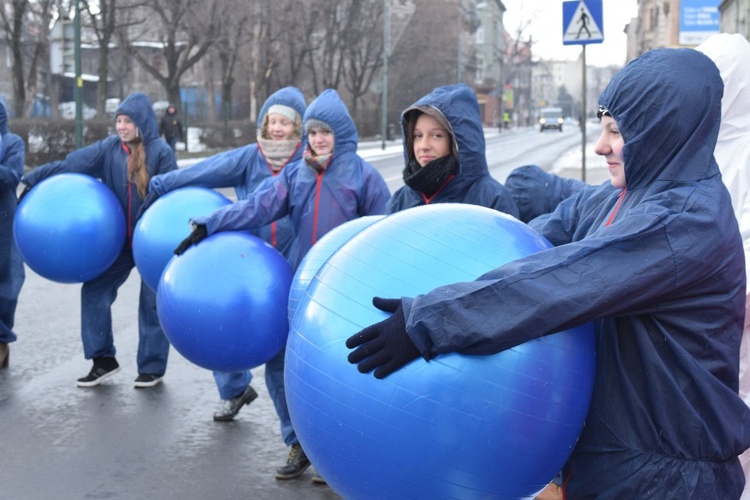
x,y
114,441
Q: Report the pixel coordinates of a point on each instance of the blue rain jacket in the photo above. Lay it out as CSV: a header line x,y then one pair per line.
x,y
108,159
316,202
244,169
12,157
664,283
473,184
536,192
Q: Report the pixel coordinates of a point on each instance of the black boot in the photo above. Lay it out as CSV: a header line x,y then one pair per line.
x,y
296,464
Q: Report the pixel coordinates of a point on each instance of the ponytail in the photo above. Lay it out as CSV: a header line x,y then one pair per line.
x,y
137,170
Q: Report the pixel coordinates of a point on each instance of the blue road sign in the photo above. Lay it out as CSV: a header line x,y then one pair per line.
x,y
582,22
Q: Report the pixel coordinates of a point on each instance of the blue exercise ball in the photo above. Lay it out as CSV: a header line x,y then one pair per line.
x,y
460,426
223,303
69,228
319,253
165,224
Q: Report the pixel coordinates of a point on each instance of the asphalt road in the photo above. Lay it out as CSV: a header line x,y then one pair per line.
x,y
113,441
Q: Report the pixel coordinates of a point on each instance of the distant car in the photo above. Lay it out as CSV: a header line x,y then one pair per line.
x,y
551,118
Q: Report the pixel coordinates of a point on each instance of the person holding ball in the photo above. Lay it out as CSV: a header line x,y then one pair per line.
x,y
125,162
656,264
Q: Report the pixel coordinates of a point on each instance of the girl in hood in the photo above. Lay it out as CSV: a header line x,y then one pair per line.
x,y
328,187
656,264
125,162
12,157
279,143
444,154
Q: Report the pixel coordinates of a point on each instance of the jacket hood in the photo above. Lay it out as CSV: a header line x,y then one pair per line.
x,y
650,93
288,96
138,107
328,107
3,117
458,104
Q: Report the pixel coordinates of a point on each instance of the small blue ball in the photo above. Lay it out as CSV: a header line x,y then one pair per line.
x,y
165,224
223,303
69,228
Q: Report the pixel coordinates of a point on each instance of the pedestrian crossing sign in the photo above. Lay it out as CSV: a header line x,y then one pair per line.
x,y
582,22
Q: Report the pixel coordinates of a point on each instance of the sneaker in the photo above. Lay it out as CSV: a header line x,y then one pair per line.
x,y
232,406
296,464
103,369
318,479
147,380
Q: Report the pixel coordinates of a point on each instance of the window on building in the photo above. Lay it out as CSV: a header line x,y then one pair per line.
x,y
480,35
480,68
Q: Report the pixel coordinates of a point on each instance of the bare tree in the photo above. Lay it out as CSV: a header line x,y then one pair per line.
x,y
362,47
26,27
326,55
184,29
103,20
291,36
236,33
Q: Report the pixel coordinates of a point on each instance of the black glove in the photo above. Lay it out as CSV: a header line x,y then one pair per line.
x,y
149,200
23,193
199,234
384,346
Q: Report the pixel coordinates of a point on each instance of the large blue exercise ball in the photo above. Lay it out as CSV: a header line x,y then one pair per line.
x,y
223,303
319,253
69,228
460,426
165,224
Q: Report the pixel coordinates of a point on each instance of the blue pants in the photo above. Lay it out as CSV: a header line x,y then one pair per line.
x,y
232,384
275,385
97,297
12,276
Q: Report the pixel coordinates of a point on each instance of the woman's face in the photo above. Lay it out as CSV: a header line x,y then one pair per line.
x,y
320,140
430,140
125,128
609,146
280,128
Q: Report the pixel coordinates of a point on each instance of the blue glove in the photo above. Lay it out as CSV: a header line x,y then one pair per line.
x,y
385,346
199,234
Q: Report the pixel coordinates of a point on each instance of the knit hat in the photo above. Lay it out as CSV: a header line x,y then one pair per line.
x,y
315,123
285,111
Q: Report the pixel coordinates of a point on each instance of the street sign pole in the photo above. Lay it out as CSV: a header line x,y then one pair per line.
x,y
582,25
583,114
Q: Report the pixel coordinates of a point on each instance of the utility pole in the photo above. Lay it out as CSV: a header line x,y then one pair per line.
x,y
386,46
583,114
78,89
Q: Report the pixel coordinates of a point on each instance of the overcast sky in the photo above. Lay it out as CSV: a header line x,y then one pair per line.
x,y
546,29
